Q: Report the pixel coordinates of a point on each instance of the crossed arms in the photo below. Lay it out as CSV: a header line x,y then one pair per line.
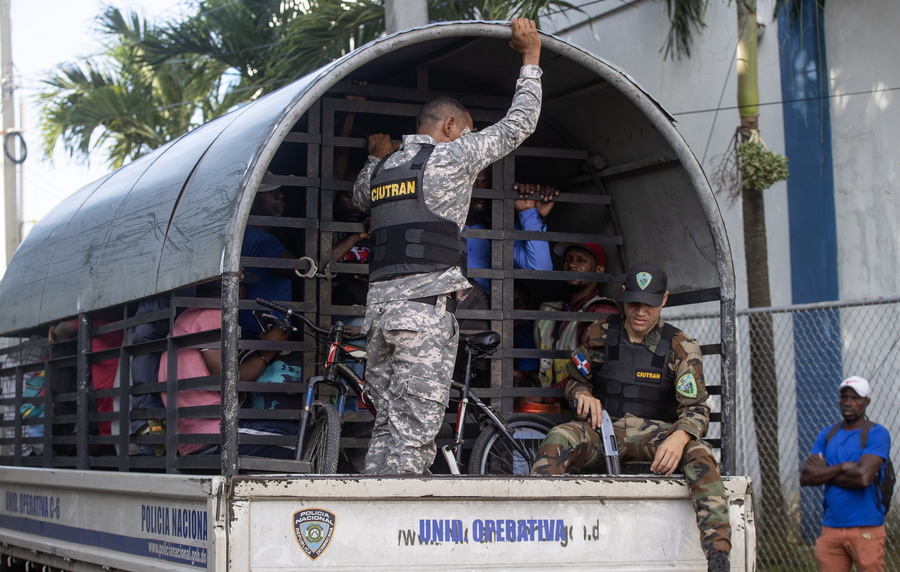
x,y
849,474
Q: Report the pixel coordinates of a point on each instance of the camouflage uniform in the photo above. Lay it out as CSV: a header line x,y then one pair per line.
x,y
576,446
412,346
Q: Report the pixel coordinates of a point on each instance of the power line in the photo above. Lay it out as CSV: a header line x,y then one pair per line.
x,y
712,128
788,101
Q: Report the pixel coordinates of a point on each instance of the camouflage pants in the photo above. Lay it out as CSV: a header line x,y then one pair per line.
x,y
411,349
575,446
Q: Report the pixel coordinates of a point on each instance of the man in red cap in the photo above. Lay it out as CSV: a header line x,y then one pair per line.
x,y
584,296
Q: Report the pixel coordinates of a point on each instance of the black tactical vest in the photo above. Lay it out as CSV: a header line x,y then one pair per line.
x,y
632,379
407,237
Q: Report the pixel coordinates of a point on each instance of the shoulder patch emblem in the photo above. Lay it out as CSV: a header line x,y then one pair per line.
x,y
687,385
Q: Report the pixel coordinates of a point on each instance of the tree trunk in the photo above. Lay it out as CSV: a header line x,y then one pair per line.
x,y
772,514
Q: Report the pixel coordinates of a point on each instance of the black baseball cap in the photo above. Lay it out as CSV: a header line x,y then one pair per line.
x,y
645,283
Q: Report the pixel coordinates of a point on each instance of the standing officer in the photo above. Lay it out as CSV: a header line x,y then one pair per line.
x,y
649,377
419,198
849,459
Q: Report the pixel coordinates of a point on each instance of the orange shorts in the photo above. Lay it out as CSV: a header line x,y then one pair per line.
x,y
839,548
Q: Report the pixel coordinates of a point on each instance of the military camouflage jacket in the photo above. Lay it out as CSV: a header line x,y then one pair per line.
x,y
447,184
685,363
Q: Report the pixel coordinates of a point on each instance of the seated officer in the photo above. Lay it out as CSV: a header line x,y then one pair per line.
x,y
649,377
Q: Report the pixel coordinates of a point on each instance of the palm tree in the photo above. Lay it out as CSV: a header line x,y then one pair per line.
x,y
773,513
273,42
119,103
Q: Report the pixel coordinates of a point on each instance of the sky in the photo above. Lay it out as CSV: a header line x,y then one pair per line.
x,y
45,34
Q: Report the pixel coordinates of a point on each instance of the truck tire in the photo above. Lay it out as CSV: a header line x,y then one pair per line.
x,y
323,445
493,454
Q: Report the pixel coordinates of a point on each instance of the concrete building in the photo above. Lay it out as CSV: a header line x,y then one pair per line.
x,y
831,227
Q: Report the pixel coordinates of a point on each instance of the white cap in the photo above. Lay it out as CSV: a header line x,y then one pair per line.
x,y
857,384
266,187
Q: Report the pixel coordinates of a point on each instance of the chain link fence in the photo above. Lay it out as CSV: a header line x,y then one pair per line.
x,y
789,364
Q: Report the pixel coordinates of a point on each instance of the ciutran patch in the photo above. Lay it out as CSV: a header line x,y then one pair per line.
x,y
687,385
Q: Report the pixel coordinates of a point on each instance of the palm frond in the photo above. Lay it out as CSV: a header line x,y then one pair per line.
x,y
685,16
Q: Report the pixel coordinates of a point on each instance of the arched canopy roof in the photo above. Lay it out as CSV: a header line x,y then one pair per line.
x,y
177,216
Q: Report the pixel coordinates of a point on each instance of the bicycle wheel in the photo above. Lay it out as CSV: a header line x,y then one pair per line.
x,y
323,442
494,454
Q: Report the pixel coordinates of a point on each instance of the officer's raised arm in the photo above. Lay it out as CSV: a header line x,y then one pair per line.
x,y
526,41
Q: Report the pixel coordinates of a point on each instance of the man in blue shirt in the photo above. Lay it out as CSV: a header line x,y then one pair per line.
x,y
259,242
853,523
530,215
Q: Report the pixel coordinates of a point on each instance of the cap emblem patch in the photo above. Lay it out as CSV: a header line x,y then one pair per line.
x,y
643,279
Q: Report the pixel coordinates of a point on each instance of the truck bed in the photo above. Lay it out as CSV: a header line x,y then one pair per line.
x,y
88,520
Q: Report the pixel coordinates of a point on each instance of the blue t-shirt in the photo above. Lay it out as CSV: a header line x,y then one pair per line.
x,y
852,507
527,254
271,286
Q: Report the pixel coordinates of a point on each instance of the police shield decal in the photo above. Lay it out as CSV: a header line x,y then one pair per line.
x,y
313,528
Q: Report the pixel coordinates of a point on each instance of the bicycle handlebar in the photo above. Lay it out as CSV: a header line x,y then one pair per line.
x,y
274,306
288,313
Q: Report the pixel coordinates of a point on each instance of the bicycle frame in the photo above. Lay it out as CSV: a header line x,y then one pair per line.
x,y
453,453
337,374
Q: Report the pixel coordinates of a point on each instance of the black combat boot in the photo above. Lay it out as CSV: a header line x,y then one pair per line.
x,y
718,562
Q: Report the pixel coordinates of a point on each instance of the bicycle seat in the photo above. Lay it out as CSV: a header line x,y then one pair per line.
x,y
483,341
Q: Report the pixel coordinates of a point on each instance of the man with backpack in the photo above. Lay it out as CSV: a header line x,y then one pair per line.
x,y
852,460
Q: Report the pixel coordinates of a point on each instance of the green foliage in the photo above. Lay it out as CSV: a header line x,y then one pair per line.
x,y
747,165
116,101
155,83
449,10
684,15
760,167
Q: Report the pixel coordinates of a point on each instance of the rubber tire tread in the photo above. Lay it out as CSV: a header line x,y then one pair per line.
x,y
323,446
490,441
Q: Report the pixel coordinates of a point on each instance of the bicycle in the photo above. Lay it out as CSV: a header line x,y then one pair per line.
x,y
319,432
505,446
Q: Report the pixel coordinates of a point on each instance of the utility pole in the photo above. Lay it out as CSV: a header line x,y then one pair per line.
x,y
403,14
10,214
